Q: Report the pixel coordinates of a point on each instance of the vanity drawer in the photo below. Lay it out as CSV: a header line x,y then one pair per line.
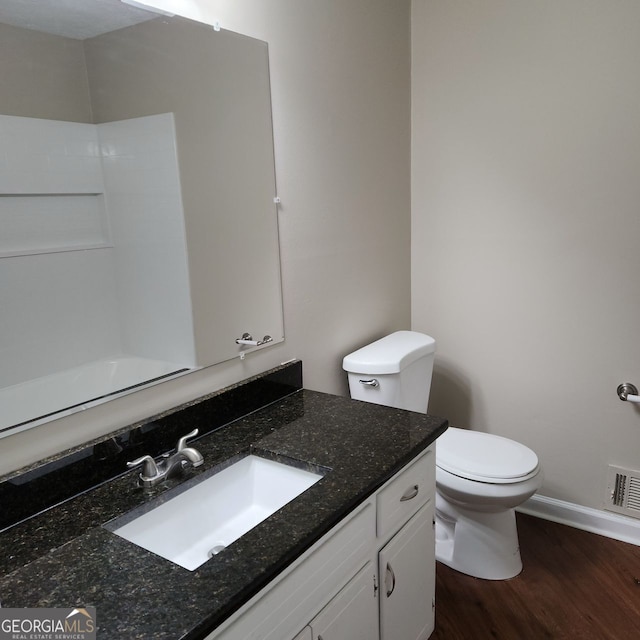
x,y
397,501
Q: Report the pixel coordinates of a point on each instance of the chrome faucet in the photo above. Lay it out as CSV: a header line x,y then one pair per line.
x,y
169,464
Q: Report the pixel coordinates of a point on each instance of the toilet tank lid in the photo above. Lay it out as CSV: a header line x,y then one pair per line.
x,y
390,354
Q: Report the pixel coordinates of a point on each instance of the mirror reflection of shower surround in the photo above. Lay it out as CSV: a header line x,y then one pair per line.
x,y
103,206
83,244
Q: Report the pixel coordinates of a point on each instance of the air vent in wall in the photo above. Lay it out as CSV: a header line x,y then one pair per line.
x,y
623,491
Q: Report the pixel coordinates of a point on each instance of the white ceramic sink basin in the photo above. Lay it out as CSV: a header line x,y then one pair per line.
x,y
197,523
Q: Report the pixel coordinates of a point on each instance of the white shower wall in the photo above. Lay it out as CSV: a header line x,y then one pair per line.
x,y
69,296
58,304
147,223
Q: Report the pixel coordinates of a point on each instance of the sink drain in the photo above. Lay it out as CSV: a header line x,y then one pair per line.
x,y
214,551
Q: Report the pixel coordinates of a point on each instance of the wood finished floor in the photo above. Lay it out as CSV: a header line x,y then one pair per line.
x,y
574,585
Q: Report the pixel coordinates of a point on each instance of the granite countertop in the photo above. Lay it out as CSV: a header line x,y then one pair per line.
x,y
65,557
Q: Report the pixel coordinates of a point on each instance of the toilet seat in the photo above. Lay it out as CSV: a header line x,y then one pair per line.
x,y
484,457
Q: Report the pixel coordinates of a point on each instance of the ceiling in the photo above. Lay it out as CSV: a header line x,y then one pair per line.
x,y
78,19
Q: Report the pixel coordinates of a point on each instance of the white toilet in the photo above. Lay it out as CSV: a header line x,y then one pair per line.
x,y
480,478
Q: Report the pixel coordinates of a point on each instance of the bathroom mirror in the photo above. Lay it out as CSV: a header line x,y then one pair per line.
x,y
137,202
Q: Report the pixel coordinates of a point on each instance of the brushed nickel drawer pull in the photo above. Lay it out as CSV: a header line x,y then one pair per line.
x,y
410,493
390,575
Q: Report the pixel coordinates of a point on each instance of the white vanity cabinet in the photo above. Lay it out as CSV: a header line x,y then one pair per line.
x,y
292,599
372,577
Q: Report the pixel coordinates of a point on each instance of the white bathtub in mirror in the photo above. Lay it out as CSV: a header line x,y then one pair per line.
x,y
76,388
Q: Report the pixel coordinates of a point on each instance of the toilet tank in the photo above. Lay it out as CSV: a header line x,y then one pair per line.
x,y
395,371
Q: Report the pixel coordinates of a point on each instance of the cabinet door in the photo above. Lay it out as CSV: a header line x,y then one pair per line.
x,y
407,580
353,612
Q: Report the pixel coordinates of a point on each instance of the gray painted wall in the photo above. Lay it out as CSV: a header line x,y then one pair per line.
x,y
46,73
525,225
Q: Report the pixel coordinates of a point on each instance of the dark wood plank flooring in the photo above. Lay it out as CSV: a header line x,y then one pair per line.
x,y
574,585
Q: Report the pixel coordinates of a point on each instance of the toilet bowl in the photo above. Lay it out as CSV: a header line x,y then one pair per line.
x,y
480,478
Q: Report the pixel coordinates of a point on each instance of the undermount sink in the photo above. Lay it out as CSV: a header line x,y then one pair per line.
x,y
202,520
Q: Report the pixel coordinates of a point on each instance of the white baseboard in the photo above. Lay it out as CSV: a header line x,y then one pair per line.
x,y
603,523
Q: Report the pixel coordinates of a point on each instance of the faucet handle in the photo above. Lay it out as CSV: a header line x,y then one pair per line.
x,y
182,443
149,467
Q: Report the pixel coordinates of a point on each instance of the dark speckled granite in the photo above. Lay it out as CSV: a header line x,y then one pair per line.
x,y
65,557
